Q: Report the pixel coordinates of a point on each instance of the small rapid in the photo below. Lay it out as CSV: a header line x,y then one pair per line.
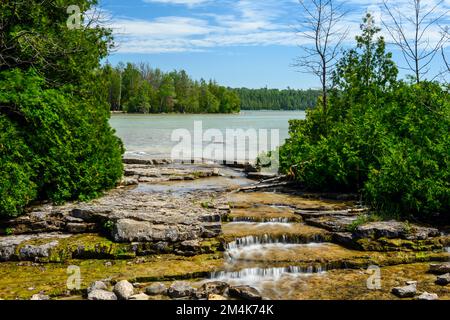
x,y
253,275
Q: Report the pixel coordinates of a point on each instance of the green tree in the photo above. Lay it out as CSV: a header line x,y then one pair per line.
x,y
55,139
167,94
384,139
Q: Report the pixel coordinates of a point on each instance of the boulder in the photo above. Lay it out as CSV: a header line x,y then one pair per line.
x,y
427,296
156,289
408,291
97,285
101,295
443,280
140,296
440,268
40,296
180,289
209,288
30,252
123,290
244,292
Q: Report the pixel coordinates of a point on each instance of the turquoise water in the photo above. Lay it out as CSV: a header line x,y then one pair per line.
x,y
150,135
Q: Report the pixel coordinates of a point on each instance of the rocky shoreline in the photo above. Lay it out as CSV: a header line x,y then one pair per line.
x,y
206,218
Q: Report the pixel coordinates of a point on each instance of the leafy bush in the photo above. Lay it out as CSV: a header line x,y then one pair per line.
x,y
383,138
52,146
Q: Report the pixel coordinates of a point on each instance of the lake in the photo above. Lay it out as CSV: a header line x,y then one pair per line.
x,y
151,135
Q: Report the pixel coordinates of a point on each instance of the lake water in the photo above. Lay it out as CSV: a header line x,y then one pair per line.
x,y
151,135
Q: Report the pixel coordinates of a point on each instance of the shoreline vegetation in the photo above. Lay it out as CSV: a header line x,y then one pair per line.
x,y
384,138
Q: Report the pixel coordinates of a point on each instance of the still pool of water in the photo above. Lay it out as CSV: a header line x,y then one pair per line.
x,y
150,135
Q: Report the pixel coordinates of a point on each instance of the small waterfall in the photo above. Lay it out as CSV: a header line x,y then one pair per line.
x,y
258,274
270,239
263,220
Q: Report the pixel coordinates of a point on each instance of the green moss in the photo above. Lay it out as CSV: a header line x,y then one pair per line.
x,y
385,244
25,279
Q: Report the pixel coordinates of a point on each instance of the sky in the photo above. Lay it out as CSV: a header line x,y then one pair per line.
x,y
238,43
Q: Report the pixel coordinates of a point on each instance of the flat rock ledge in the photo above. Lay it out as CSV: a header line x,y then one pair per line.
x,y
375,236
145,222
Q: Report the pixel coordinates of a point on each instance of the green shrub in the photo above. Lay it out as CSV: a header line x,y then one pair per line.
x,y
380,137
52,145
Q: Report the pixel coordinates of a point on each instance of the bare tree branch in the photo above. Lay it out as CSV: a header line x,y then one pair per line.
x,y
319,27
414,39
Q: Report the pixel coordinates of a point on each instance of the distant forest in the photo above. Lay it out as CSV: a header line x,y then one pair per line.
x,y
274,99
134,88
138,88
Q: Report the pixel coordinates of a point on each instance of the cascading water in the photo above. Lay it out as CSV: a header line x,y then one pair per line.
x,y
266,239
258,274
263,220
261,248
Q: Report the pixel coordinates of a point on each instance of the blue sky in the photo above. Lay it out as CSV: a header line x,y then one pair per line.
x,y
239,43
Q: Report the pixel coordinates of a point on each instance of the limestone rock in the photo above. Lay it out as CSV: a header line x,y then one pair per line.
x,y
180,289
335,223
443,280
209,288
428,296
440,268
101,295
244,292
123,290
97,285
156,289
40,296
129,230
37,251
344,238
395,229
408,291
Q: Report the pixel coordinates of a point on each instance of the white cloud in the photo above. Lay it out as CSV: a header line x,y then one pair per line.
x,y
245,23
161,27
248,23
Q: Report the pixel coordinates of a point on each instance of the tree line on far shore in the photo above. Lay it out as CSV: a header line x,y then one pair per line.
x,y
275,99
138,88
